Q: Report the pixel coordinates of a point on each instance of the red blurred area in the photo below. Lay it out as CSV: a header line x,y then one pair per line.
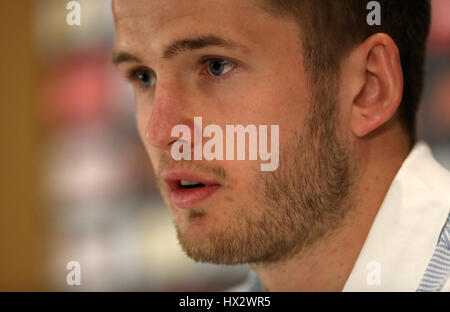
x,y
79,88
439,40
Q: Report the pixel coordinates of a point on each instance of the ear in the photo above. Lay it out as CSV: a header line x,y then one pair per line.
x,y
381,87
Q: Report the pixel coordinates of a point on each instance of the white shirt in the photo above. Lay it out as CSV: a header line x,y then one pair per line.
x,y
407,228
405,233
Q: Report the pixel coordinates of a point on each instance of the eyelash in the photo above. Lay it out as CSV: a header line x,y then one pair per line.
x,y
132,75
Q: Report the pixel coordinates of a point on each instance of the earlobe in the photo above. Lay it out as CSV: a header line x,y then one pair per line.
x,y
381,92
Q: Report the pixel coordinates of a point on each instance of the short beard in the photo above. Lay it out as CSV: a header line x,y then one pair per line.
x,y
300,203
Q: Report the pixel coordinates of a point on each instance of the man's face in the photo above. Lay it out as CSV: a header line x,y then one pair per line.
x,y
251,72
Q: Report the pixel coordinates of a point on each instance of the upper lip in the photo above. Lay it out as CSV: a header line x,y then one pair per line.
x,y
172,178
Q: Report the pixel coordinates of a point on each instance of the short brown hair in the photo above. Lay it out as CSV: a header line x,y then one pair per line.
x,y
331,28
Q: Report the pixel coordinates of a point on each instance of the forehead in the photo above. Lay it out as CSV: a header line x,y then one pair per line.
x,y
164,9
155,23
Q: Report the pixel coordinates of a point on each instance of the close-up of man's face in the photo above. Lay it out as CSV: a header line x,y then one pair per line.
x,y
258,146
234,63
182,147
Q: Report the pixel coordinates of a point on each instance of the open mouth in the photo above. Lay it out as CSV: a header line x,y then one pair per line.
x,y
187,190
187,184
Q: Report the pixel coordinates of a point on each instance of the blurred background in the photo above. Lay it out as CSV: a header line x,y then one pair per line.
x,y
76,183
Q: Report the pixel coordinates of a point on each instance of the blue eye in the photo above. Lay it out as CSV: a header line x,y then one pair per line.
x,y
219,67
146,78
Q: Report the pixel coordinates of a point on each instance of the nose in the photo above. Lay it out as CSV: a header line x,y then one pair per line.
x,y
170,106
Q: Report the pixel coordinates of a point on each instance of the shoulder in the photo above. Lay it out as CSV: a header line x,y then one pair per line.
x,y
423,169
437,275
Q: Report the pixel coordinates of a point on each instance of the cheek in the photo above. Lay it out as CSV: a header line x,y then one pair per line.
x,y
141,124
241,175
155,157
275,100
143,112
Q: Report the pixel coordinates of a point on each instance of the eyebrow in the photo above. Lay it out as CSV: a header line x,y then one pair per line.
x,y
121,57
183,45
179,46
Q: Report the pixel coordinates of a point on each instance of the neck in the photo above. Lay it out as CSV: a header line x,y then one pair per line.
x,y
327,264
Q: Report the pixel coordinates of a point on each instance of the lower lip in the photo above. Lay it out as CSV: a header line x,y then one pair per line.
x,y
186,198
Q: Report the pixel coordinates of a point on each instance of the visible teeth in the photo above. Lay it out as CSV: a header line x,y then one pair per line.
x,y
188,182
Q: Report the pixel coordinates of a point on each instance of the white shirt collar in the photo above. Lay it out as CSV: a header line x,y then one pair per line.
x,y
406,230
